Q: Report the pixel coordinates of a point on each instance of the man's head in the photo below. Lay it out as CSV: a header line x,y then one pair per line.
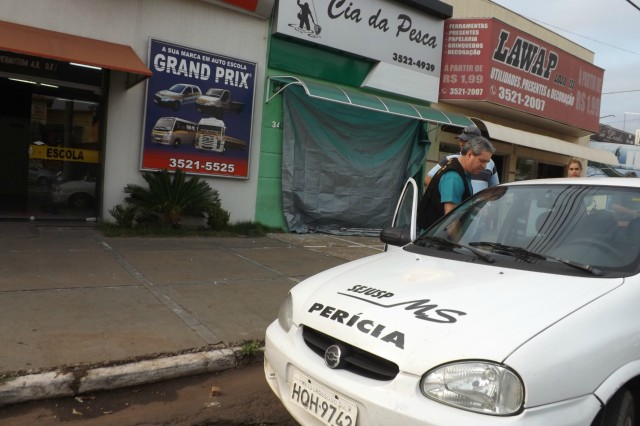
x,y
467,134
476,153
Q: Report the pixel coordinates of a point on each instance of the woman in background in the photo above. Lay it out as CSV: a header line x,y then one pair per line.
x,y
574,168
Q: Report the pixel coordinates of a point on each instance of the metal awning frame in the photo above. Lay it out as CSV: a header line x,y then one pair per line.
x,y
39,42
360,99
544,143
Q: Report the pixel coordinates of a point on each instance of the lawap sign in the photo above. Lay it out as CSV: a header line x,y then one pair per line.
x,y
199,109
488,60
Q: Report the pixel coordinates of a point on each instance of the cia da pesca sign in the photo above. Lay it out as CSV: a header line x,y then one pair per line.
x,y
198,114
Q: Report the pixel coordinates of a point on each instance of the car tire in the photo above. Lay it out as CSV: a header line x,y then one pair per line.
x,y
619,411
176,105
177,142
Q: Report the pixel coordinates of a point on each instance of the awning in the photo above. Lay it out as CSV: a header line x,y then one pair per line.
x,y
70,48
358,98
544,143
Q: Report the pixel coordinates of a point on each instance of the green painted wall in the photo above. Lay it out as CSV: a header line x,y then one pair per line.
x,y
269,195
288,58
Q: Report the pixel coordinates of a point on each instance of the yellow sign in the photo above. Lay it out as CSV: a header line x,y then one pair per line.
x,y
59,153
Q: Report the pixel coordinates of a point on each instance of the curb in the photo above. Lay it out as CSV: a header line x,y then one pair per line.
x,y
64,382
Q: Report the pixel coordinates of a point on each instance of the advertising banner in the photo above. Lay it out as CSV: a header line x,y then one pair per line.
x,y
488,60
199,109
386,31
610,134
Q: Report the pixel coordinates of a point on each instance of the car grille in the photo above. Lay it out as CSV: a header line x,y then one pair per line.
x,y
357,361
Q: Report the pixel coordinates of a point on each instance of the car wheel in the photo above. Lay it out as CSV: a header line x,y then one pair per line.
x,y
80,201
619,411
177,142
176,105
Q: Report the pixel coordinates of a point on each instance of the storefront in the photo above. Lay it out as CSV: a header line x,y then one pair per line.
x,y
74,136
53,122
349,99
323,62
326,110
535,94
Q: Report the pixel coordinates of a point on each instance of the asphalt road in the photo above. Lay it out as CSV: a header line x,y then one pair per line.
x,y
244,398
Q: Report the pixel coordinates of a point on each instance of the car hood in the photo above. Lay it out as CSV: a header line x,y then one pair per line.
x,y
421,311
207,99
168,94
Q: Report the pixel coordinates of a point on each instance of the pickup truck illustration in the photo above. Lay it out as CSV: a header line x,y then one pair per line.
x,y
210,136
177,95
217,102
173,131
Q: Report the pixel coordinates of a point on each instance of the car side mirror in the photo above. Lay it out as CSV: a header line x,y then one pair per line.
x,y
396,235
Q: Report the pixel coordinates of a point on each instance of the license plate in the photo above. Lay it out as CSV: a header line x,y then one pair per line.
x,y
321,402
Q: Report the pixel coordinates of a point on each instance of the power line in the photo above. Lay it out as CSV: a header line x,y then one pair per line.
x,y
622,91
588,38
633,4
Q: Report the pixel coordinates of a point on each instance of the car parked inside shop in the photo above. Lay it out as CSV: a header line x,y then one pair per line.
x,y
519,307
40,176
75,194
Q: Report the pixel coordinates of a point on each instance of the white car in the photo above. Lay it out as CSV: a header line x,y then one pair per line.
x,y
520,307
41,176
177,95
76,194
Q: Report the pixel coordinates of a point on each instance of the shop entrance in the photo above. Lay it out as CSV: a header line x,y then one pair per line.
x,y
49,150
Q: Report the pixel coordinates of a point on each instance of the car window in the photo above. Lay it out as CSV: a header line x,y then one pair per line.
x,y
590,225
177,88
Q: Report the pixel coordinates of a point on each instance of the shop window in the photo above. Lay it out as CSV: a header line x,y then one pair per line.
x,y
528,168
448,149
52,162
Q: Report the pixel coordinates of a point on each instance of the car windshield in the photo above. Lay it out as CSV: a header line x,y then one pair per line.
x,y
164,124
178,88
593,229
214,92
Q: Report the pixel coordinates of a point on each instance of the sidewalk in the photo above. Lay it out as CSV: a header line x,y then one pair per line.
x,y
80,312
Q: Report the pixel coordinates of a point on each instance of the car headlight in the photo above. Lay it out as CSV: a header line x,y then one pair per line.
x,y
479,386
285,313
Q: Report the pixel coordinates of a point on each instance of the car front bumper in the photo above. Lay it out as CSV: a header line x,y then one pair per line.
x,y
398,401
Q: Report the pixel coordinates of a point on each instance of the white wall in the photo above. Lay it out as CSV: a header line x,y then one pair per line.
x,y
192,23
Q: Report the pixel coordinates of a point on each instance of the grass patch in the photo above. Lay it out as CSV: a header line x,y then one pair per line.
x,y
239,229
250,348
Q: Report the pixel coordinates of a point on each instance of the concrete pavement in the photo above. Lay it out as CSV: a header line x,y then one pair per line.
x,y
81,312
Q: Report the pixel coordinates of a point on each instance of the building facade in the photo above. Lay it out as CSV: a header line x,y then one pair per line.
x,y
306,115
334,57
90,127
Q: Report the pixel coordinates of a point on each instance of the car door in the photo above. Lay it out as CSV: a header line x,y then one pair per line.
x,y
403,226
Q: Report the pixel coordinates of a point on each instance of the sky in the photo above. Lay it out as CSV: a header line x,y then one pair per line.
x,y
610,29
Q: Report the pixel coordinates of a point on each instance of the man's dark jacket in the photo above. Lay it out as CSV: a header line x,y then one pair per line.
x,y
431,208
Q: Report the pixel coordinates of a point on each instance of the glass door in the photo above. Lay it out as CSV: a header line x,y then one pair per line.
x,y
49,150
64,157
